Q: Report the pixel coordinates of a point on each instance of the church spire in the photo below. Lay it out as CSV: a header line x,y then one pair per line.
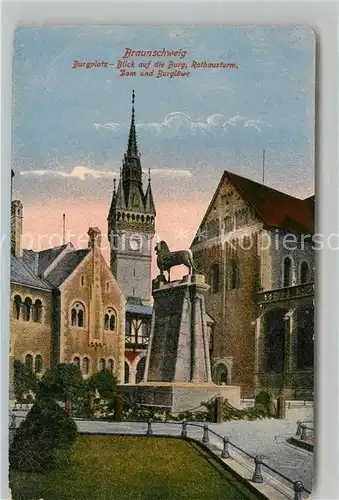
x,y
132,147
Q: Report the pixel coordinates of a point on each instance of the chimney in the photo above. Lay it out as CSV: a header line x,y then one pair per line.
x,y
94,237
16,228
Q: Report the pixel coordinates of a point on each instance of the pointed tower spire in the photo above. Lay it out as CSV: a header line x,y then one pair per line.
x,y
149,202
132,147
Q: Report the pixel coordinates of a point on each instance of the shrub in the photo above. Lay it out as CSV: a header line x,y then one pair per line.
x,y
42,438
105,383
262,399
24,381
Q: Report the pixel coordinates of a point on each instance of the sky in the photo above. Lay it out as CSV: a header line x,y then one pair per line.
x,y
70,125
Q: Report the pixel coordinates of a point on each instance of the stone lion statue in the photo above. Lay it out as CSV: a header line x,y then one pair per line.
x,y
167,259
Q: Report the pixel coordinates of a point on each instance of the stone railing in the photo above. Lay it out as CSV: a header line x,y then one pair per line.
x,y
286,293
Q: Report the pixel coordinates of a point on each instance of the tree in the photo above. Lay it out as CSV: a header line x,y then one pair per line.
x,y
25,380
64,382
104,382
43,439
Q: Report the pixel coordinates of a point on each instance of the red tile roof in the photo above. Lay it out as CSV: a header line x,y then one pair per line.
x,y
274,208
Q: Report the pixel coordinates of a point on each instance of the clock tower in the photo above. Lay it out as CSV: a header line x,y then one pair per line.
x,y
131,224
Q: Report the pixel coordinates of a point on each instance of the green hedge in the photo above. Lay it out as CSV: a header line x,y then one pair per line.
x,y
43,438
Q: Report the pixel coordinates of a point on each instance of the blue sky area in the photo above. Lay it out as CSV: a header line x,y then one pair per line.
x,y
70,126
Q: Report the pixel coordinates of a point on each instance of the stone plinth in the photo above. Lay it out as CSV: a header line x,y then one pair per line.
x,y
178,371
178,349
178,397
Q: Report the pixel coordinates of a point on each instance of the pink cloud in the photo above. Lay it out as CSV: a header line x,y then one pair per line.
x,y
176,223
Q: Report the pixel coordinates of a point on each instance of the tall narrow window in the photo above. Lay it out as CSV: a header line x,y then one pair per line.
x,y
17,307
80,317
37,311
110,365
106,322
27,309
38,364
85,366
128,327
76,361
112,322
228,224
215,281
29,362
102,365
287,279
82,280
74,317
234,275
304,272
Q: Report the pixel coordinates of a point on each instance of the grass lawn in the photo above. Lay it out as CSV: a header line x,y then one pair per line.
x,y
138,468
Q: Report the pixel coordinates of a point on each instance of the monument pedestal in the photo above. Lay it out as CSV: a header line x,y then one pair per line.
x,y
178,371
178,397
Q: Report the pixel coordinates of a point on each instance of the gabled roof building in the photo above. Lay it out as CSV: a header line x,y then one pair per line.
x,y
66,306
254,245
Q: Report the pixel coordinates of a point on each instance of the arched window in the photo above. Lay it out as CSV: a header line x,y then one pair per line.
x,y
78,315
29,362
109,320
110,365
215,278
102,365
287,280
304,272
38,364
17,307
37,311
27,309
234,275
85,365
76,361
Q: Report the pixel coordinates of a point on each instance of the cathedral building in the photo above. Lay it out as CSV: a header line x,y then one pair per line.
x,y
254,245
131,228
66,306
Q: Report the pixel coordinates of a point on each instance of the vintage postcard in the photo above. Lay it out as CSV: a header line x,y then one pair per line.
x,y
162,263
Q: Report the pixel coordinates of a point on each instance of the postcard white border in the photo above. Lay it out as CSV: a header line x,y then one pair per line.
x,y
323,17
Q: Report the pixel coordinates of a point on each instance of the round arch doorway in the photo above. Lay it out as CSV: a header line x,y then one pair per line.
x,y
221,374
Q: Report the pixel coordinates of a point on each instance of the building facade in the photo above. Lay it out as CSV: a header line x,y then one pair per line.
x,y
66,306
254,246
131,228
